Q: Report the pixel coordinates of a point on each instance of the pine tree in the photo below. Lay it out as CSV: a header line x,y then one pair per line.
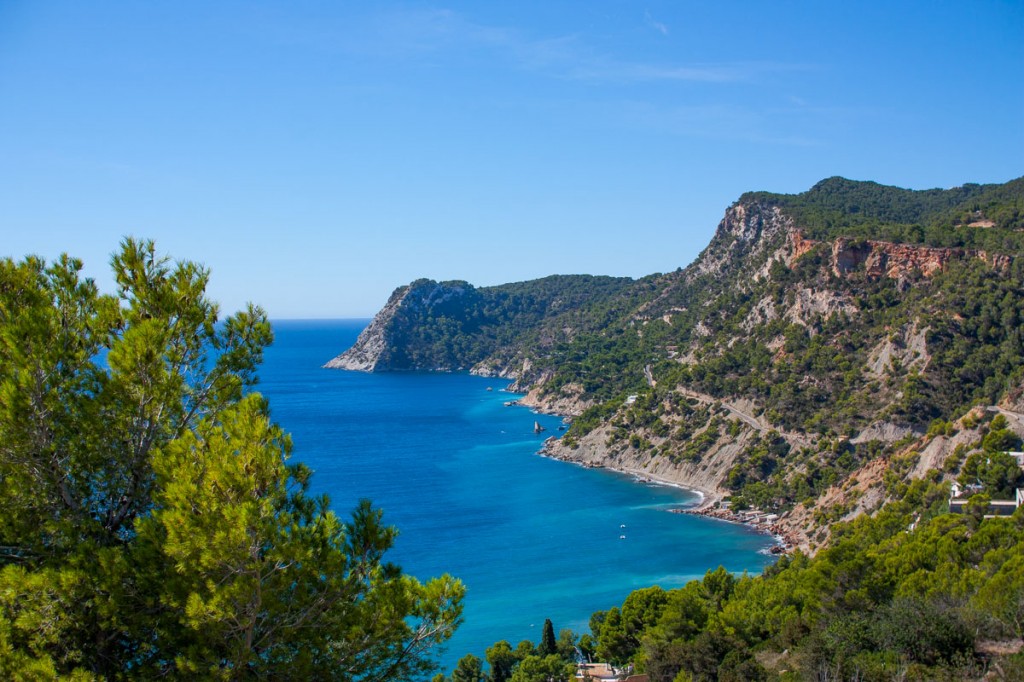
x,y
152,525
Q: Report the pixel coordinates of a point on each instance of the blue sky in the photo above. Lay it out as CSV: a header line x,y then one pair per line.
x,y
315,155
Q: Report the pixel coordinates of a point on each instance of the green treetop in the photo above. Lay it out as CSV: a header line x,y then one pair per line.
x,y
152,524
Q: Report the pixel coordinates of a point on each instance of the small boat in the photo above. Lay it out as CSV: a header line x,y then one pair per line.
x,y
622,537
489,388
537,428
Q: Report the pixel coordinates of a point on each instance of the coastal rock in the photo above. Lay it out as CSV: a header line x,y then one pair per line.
x,y
597,450
380,346
369,348
568,401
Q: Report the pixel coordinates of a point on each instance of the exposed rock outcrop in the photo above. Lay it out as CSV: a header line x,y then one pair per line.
x,y
888,259
745,236
568,402
906,348
706,475
369,348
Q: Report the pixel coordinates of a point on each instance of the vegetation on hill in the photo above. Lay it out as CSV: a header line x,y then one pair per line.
x,y
152,525
837,207
910,592
454,325
940,601
829,338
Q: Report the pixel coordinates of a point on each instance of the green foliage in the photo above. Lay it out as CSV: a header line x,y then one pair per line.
x,y
548,645
538,668
454,325
1000,438
469,669
840,207
997,472
619,636
502,659
878,597
152,524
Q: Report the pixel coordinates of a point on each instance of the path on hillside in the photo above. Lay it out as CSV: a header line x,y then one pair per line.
x,y
1016,419
755,422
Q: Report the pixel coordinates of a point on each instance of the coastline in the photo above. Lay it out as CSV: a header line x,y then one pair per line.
x,y
785,543
705,505
707,499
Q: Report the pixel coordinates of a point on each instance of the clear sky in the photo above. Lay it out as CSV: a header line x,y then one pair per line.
x,y
316,155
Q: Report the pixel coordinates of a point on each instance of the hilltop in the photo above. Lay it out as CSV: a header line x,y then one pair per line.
x,y
832,364
821,344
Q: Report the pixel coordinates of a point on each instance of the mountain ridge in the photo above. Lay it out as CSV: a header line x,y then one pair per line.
x,y
814,336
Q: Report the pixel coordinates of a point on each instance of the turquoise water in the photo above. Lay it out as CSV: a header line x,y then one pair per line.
x,y
456,471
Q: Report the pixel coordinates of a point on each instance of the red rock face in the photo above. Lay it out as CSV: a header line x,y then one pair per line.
x,y
799,244
886,259
997,261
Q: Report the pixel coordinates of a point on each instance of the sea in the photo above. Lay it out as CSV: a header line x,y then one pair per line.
x,y
457,472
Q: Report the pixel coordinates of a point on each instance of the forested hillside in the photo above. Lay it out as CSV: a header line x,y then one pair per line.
x,y
911,593
454,325
836,358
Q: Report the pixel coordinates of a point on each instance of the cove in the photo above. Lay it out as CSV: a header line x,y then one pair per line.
x,y
457,472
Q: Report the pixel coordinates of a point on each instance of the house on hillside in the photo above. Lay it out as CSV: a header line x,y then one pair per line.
x,y
960,496
604,672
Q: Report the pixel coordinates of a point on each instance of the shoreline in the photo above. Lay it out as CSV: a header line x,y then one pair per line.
x,y
784,543
704,506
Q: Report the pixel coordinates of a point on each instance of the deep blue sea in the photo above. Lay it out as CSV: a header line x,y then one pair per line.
x,y
457,472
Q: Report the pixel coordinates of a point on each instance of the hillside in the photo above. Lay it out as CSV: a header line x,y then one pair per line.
x,y
446,326
819,341
835,359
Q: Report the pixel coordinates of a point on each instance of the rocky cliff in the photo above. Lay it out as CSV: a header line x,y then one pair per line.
x,y
371,347
817,339
452,326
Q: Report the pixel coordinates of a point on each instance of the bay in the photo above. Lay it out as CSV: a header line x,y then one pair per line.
x,y
457,472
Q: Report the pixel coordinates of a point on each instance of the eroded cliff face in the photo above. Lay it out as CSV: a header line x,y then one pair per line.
x,y
746,234
884,259
369,349
706,475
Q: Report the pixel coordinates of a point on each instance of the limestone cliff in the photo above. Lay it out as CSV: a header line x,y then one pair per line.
x,y
493,331
787,366
366,354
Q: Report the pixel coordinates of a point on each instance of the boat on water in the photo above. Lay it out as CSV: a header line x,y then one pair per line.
x,y
537,428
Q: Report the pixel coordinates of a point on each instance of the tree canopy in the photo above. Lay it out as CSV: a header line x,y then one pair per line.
x,y
153,524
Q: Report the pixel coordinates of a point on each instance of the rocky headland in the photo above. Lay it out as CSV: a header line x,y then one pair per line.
x,y
798,365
